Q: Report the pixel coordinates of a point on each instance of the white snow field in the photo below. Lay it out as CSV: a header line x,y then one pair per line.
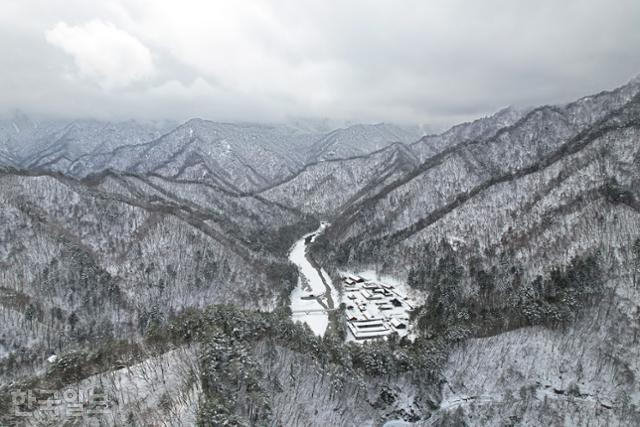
x,y
312,309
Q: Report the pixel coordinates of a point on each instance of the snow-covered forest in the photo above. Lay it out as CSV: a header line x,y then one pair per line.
x,y
151,262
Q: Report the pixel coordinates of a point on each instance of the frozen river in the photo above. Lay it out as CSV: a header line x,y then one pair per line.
x,y
314,294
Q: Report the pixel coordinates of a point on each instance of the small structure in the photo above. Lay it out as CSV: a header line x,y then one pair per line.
x,y
367,329
397,323
386,312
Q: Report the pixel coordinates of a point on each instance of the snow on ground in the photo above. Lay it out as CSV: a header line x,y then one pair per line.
x,y
314,283
397,423
417,297
131,395
310,283
318,322
375,310
352,296
310,299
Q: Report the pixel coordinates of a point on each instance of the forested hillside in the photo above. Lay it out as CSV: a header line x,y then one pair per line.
x,y
160,265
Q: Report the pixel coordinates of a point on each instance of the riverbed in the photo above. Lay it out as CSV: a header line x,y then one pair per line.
x,y
314,296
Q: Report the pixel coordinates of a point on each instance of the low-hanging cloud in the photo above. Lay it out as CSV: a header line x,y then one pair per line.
x,y
103,53
435,62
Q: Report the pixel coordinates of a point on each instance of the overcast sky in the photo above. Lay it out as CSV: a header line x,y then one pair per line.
x,y
426,62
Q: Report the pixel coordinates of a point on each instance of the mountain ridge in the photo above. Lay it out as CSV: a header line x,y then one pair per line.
x,y
523,228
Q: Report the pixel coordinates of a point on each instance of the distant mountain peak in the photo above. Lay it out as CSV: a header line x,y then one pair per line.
x,y
634,80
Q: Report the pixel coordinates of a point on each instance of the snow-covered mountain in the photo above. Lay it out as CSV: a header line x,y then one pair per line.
x,y
21,135
56,144
155,259
324,186
240,157
236,156
358,140
65,150
482,128
503,212
471,168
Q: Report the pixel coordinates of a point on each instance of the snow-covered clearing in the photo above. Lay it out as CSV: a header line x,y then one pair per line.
x,y
314,285
418,298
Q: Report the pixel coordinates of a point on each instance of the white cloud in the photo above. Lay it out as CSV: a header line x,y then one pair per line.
x,y
103,53
420,61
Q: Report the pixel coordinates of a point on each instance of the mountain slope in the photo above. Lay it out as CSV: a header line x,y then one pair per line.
x,y
480,129
327,186
488,227
522,228
468,168
360,140
239,157
86,261
61,150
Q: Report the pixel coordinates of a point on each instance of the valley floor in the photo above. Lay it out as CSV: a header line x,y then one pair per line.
x,y
315,295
